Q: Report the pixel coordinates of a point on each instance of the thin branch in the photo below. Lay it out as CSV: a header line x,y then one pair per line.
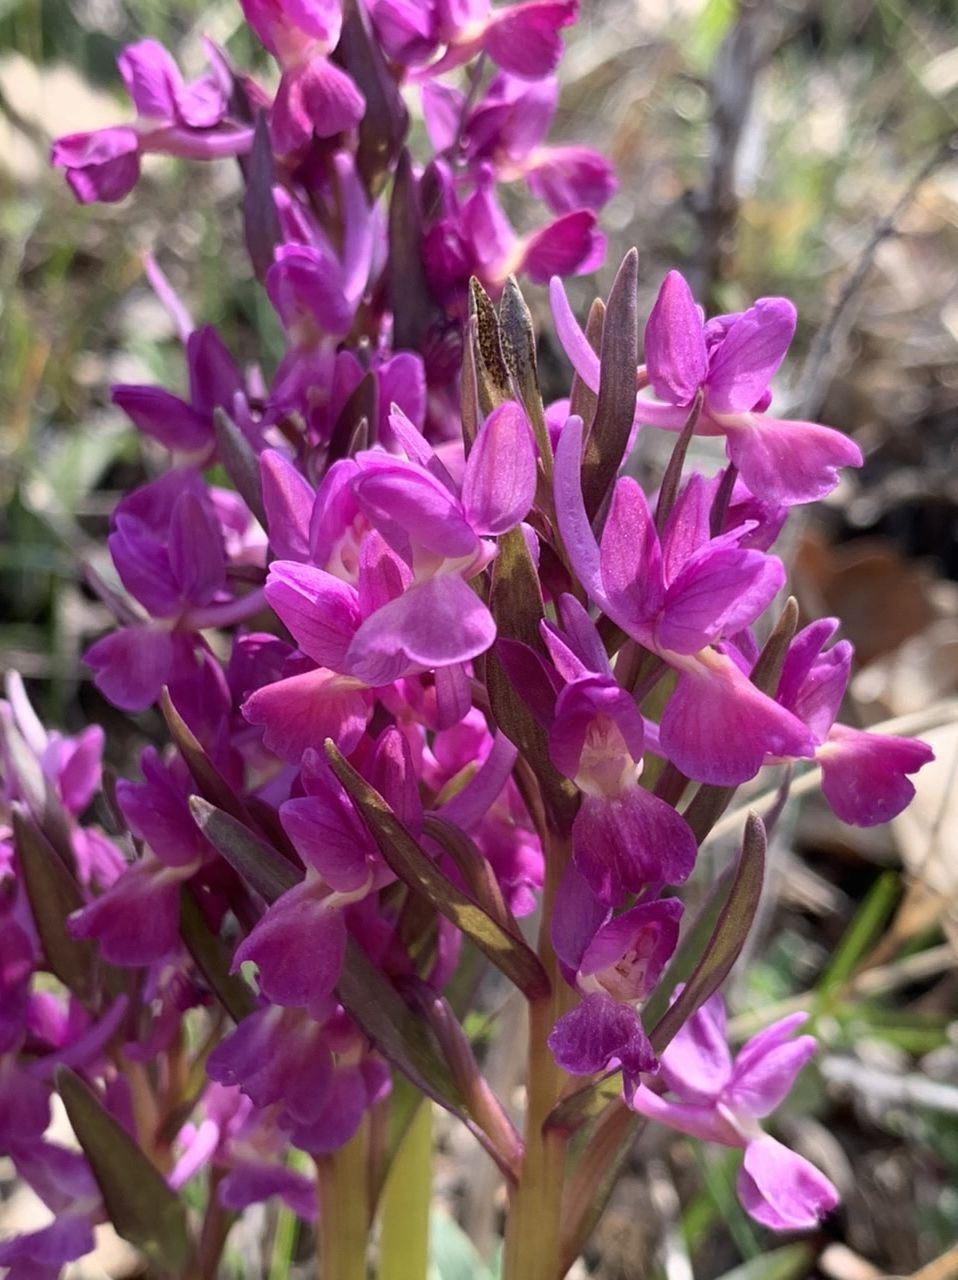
x,y
818,368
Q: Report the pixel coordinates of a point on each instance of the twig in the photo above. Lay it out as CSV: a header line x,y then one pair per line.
x,y
817,369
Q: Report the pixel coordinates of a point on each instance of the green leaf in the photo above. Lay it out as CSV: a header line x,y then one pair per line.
x,y
361,407
615,409
787,1263
261,226
454,1256
582,399
703,959
263,868
414,310
515,601
492,376
725,944
239,462
400,1034
518,344
211,783
385,121
507,951
54,895
212,960
607,1147
863,931
585,1104
138,1201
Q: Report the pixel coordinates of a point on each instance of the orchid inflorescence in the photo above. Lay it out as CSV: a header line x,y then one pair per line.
x,y
428,665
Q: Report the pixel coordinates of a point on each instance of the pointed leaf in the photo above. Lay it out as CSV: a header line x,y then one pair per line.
x,y
582,399
475,870
399,1033
507,951
138,1201
469,414
385,121
492,376
790,1262
615,409
263,868
594,1176
213,961
362,406
515,602
728,937
414,309
261,226
205,774
518,344
240,462
54,895
703,960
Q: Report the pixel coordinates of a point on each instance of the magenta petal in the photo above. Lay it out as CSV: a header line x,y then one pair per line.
x,y
717,727
500,478
576,916
698,1121
567,247
763,1080
276,1056
249,1183
345,1105
151,78
720,591
442,110
788,462
629,952
601,1032
317,98
570,178
440,622
298,947
524,38
411,506
78,767
195,547
574,343
781,1189
631,558
306,284
41,1255
383,575
675,355
104,165
306,709
697,1064
165,417
864,775
573,521
131,666
623,845
597,735
747,358
321,612
330,837
136,922
813,682
288,499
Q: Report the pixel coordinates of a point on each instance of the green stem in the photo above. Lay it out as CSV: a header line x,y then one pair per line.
x,y
532,1248
343,1186
404,1220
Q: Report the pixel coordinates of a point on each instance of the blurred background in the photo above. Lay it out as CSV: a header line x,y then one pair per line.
x,y
805,148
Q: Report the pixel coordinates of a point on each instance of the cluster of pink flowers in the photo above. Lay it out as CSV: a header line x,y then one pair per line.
x,y
420,660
